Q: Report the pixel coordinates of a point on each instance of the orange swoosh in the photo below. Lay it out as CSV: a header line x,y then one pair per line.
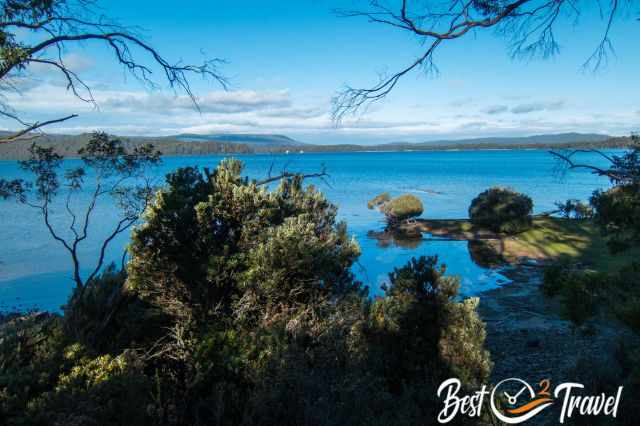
x,y
529,406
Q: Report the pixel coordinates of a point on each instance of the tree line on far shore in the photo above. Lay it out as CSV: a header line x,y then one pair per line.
x,y
69,145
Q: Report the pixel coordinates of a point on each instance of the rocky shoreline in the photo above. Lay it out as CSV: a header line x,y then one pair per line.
x,y
528,338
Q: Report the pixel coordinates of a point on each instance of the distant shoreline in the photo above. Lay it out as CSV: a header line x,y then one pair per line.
x,y
69,146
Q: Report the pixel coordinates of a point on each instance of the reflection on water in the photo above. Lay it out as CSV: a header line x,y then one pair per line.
x,y
389,239
475,262
484,253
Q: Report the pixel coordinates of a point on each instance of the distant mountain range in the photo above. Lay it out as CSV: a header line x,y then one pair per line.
x,y
194,144
560,138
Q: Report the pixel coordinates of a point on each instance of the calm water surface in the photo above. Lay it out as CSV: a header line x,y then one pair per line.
x,y
35,271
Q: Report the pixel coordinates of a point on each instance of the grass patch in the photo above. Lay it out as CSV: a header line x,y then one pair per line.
x,y
549,238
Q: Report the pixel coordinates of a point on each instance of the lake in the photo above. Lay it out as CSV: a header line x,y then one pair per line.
x,y
35,271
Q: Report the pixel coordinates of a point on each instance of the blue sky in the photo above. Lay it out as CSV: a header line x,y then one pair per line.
x,y
286,59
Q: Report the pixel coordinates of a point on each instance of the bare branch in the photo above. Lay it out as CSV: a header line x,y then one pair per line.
x,y
566,158
527,24
285,175
33,127
62,24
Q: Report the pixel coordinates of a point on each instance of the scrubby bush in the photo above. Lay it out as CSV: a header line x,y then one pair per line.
x,y
105,317
583,293
427,334
617,211
399,209
501,210
46,379
216,246
578,290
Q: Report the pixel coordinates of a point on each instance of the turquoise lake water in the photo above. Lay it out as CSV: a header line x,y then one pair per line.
x,y
35,271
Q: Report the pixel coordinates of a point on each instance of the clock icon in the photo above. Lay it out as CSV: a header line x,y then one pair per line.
x,y
523,402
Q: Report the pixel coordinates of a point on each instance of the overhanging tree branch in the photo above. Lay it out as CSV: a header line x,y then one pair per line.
x,y
32,127
58,25
528,25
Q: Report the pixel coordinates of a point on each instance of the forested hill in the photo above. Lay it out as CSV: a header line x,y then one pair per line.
x,y
68,145
188,145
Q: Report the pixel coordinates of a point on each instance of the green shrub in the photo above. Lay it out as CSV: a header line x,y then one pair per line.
x,y
580,297
46,379
229,248
402,208
427,334
554,277
501,210
617,211
580,292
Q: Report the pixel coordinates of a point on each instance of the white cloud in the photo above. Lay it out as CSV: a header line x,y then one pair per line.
x,y
538,106
213,102
278,111
496,109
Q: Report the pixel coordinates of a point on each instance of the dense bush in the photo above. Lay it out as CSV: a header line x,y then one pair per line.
x,y
501,210
402,208
399,209
46,379
105,317
584,295
452,344
617,211
583,292
218,246
577,290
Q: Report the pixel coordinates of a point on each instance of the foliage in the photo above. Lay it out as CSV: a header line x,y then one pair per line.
x,y
617,211
399,209
105,317
577,290
208,238
452,344
574,209
583,296
501,210
46,379
584,293
402,208
529,27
